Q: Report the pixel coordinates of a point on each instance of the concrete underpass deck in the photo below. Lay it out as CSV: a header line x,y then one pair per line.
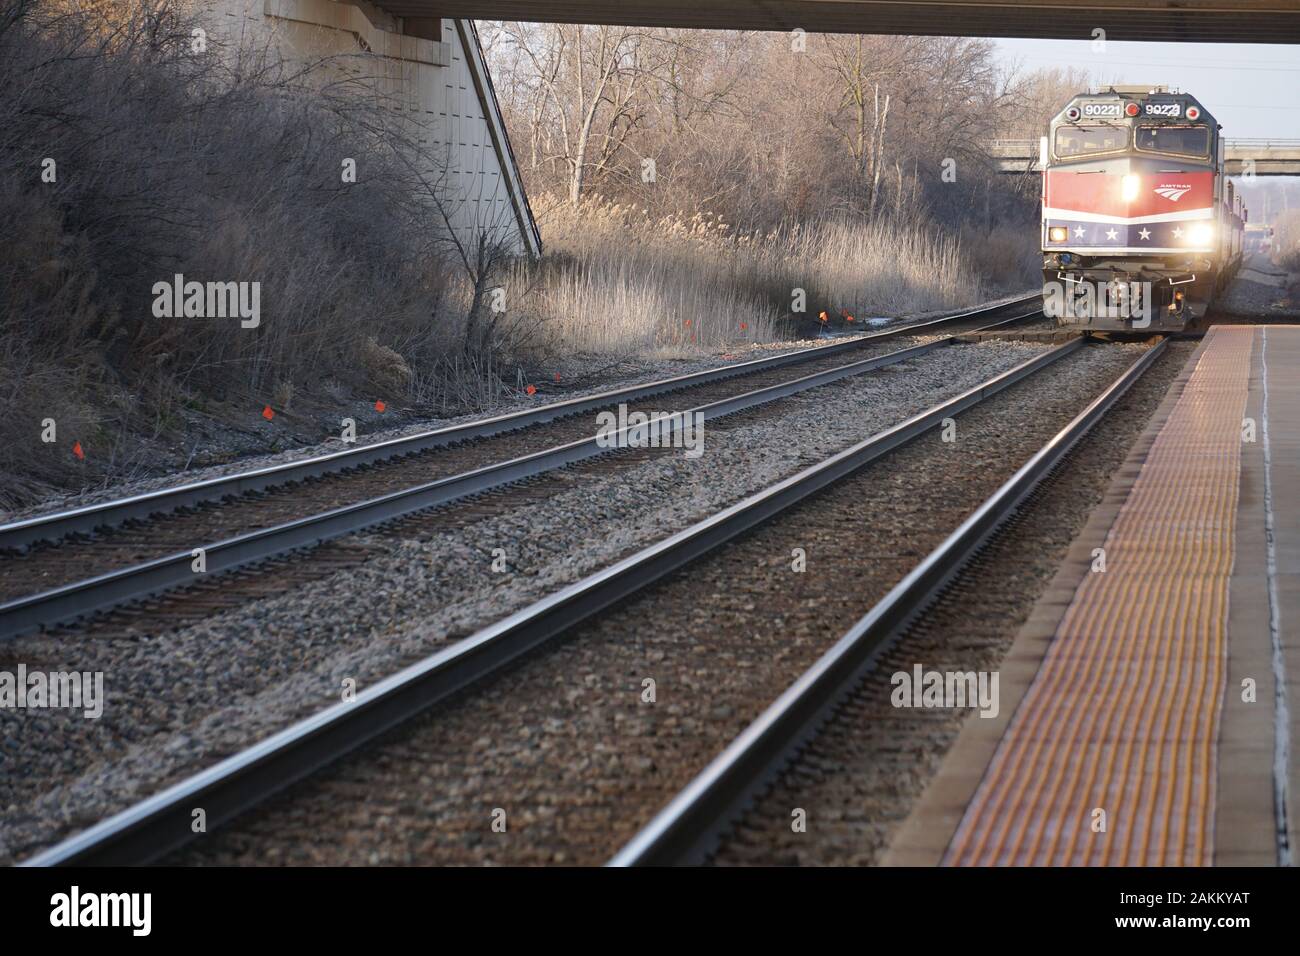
x,y
1125,734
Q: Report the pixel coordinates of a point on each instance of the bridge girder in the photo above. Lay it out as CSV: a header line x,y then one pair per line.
x,y
1207,21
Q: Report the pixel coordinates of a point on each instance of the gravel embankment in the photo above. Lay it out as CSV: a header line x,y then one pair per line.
x,y
860,777
563,742
583,377
232,449
47,566
181,699
1261,292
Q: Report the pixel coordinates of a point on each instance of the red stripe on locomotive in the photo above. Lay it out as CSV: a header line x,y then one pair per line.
x,y
1103,193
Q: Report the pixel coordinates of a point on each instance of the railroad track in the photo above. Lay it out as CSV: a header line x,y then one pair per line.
x,y
160,824
861,775
688,829
190,539
22,534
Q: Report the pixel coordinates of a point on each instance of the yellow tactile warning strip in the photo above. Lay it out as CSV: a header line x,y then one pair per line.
x,y
1110,757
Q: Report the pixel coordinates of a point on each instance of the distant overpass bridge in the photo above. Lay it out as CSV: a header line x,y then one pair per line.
x,y
1271,157
1206,21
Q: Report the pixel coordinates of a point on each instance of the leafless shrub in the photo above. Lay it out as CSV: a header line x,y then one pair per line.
x,y
134,160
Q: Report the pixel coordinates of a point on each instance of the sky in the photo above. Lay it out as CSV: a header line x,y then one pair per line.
x,y
1250,88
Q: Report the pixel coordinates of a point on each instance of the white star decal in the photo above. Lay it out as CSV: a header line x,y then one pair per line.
x,y
1111,234
1178,233
1144,233
1078,232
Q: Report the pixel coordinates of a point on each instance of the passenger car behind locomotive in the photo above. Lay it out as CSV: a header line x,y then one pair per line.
x,y
1135,197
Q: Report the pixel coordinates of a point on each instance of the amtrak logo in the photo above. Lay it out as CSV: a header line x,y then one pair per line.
x,y
1173,193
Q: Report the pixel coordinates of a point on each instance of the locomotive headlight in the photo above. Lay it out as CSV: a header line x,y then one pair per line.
x,y
1202,234
1131,184
1058,233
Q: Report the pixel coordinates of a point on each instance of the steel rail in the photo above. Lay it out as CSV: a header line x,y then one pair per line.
x,y
19,535
161,823
687,830
80,598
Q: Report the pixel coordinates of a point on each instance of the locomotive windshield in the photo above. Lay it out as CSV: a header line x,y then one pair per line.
x,y
1187,140
1086,140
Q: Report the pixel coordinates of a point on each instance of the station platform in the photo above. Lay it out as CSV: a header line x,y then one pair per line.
x,y
1141,722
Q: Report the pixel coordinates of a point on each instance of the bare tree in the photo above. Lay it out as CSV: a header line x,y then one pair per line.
x,y
745,126
584,91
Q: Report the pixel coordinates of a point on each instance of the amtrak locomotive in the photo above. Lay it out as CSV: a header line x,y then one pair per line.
x,y
1141,226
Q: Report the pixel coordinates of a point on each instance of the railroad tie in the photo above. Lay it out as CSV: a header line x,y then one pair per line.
x,y
1110,758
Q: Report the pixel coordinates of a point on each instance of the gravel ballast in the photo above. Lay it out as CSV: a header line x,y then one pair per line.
x,y
180,700
565,744
50,565
236,450
860,777
1261,292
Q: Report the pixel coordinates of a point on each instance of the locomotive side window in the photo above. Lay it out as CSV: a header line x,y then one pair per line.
x,y
1086,140
1188,140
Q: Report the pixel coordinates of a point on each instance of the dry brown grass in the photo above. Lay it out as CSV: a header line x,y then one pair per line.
x,y
621,281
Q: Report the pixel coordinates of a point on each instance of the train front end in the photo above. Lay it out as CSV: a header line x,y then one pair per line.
x,y
1140,225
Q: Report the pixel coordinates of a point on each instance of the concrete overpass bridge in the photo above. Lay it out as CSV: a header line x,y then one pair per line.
x,y
427,63
1209,21
1262,157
